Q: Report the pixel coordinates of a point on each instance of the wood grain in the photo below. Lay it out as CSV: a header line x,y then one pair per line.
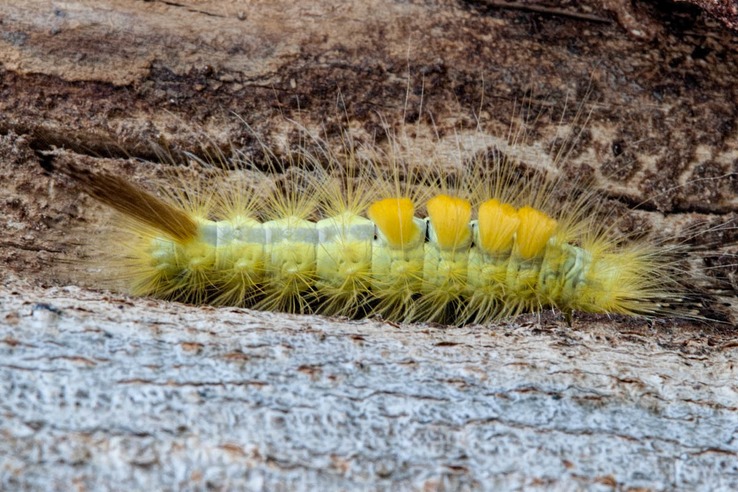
x,y
103,391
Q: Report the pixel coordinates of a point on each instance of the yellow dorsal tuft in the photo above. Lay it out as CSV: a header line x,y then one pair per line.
x,y
450,218
534,231
394,218
497,225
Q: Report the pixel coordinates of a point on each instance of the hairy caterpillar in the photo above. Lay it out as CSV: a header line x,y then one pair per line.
x,y
357,236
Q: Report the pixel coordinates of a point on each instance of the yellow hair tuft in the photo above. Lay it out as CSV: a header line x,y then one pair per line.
x,y
450,218
497,224
534,231
394,219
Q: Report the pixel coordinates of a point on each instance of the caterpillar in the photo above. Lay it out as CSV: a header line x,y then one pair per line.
x,y
343,234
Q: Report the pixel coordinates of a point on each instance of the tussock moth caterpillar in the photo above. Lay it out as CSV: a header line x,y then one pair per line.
x,y
361,232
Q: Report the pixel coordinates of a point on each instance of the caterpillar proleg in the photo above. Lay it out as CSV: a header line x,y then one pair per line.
x,y
345,235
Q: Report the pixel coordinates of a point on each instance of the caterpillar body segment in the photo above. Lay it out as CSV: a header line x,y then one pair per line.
x,y
457,256
446,257
240,258
397,256
344,263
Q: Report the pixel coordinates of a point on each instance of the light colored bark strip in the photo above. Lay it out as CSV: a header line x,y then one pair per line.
x,y
101,392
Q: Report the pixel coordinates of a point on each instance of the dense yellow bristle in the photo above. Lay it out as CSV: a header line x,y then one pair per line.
x,y
394,219
497,224
534,230
450,218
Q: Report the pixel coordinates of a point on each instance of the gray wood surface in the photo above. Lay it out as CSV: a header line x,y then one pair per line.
x,y
114,394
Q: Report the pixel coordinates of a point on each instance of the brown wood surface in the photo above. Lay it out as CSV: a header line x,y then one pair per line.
x,y
104,391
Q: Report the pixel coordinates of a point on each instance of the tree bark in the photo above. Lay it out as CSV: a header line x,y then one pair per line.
x,y
105,391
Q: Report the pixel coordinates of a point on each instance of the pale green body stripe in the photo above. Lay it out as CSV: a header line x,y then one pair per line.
x,y
294,256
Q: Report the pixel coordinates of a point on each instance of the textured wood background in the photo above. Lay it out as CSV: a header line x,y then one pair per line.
x,y
104,391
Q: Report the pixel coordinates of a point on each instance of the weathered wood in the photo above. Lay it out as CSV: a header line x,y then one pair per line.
x,y
105,391
110,393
